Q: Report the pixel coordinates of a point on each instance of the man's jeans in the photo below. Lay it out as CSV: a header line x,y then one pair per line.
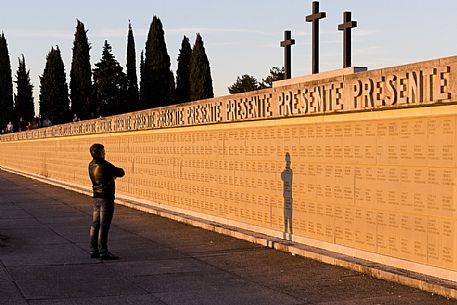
x,y
101,221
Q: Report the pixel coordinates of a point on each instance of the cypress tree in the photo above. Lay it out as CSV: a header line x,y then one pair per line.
x,y
81,75
200,81
54,102
157,80
23,99
132,80
110,85
182,73
141,68
6,84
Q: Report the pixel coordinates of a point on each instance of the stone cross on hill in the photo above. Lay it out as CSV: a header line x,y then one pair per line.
x,y
287,45
346,27
314,19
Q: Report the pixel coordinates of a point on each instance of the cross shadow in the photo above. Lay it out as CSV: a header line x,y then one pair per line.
x,y
286,177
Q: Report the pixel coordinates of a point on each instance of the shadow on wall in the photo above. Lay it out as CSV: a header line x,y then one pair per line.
x,y
286,177
44,165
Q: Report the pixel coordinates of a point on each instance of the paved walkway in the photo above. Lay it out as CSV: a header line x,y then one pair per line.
x,y
44,260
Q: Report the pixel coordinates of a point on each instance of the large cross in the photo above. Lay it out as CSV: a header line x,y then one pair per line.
x,y
287,45
346,27
314,18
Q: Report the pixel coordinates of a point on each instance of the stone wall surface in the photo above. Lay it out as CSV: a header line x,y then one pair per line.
x,y
432,82
378,185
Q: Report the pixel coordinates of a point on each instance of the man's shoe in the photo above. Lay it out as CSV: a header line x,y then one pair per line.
x,y
95,255
108,256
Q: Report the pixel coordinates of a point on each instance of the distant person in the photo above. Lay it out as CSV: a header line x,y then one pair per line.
x,y
35,122
47,122
9,127
29,126
102,174
21,125
75,118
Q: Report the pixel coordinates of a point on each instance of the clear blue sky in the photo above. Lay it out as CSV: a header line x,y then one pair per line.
x,y
240,36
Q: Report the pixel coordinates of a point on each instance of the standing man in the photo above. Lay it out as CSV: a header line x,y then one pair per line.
x,y
102,174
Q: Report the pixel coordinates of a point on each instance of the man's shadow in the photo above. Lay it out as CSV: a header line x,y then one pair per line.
x,y
286,177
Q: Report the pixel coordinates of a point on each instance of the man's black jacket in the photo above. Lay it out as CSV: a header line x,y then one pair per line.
x,y
102,174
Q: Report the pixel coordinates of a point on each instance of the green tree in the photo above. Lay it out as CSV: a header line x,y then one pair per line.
x,y
141,71
276,73
81,75
248,83
6,84
132,80
23,99
54,101
110,85
200,81
182,73
244,83
157,80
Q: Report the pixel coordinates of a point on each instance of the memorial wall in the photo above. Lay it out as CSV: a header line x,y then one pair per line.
x,y
362,163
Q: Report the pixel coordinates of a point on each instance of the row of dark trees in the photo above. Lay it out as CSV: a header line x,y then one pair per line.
x,y
106,89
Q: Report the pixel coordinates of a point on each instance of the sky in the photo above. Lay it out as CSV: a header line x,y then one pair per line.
x,y
240,36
